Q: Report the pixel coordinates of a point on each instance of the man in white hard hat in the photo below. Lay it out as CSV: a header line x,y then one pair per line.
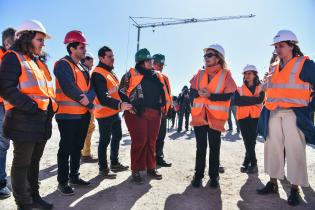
x,y
87,64
29,111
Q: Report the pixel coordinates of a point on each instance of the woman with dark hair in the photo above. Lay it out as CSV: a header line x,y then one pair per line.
x,y
144,88
248,99
26,86
211,90
286,115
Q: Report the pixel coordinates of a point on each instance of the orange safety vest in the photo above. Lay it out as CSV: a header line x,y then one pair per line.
x,y
285,89
167,88
35,81
66,104
1,56
252,111
135,80
112,86
203,107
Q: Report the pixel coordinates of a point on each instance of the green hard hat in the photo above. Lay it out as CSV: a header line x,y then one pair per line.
x,y
142,55
159,58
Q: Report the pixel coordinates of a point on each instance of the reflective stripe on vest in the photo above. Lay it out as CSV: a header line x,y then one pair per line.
x,y
293,93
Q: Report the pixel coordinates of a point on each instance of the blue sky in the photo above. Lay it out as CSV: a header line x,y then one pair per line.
x,y
246,41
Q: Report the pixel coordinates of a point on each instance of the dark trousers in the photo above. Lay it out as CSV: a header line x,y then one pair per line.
x,y
25,169
110,132
248,128
160,140
233,110
143,131
72,136
173,118
205,134
181,115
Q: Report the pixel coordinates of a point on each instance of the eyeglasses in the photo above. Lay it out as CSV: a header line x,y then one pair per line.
x,y
209,55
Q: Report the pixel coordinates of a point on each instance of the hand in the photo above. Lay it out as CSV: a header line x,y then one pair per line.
x,y
125,106
84,101
204,93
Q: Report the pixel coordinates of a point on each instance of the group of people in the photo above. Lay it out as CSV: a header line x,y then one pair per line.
x,y
279,107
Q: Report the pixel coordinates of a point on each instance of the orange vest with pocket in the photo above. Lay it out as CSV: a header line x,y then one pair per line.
x,y
35,81
66,104
203,107
285,89
112,83
252,111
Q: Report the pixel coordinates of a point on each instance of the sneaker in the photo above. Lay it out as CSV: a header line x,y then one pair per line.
x,y
293,199
65,189
5,193
243,169
270,188
39,203
136,177
196,182
214,182
88,159
107,174
79,182
118,167
153,173
163,163
221,169
252,169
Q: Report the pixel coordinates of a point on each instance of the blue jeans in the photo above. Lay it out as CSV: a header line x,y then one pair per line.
x,y
4,146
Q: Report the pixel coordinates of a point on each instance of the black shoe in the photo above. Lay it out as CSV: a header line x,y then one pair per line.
x,y
214,182
136,177
252,169
79,182
221,169
24,207
196,182
88,159
65,189
39,203
107,174
163,163
118,167
154,174
270,188
293,199
243,169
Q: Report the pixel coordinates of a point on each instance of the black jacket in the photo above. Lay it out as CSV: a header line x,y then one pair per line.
x,y
25,122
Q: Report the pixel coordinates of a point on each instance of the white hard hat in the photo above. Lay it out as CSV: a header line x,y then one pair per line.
x,y
32,25
217,48
284,35
90,55
249,67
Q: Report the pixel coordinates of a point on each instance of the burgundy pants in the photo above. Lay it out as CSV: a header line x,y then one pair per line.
x,y
143,132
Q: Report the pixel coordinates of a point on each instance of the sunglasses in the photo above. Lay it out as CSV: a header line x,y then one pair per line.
x,y
209,55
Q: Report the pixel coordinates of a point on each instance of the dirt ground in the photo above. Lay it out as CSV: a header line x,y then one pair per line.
x,y
237,190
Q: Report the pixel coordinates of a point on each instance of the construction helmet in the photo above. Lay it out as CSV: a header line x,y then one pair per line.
x,y
75,36
89,55
142,54
159,58
32,25
217,48
249,67
284,35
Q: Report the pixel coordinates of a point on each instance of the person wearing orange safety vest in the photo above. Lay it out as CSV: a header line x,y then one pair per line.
x,y
286,115
158,64
27,88
145,89
107,107
73,116
248,100
8,36
211,90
